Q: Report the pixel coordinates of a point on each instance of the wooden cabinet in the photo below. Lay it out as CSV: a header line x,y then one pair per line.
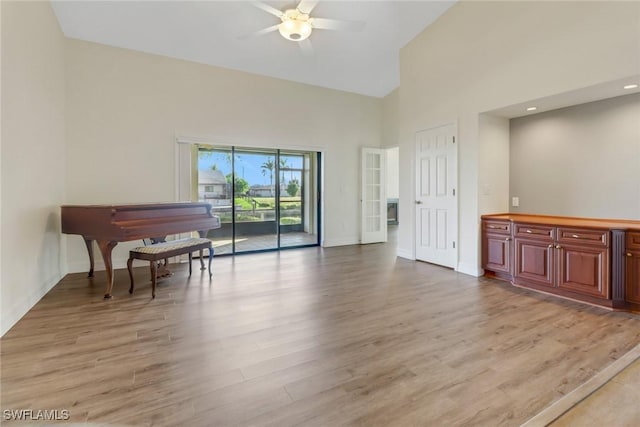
x,y
569,260
534,261
591,260
632,279
583,261
558,258
496,247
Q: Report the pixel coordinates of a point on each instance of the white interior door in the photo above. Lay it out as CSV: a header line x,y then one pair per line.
x,y
374,198
436,199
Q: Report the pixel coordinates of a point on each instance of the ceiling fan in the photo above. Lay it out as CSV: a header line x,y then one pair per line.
x,y
297,24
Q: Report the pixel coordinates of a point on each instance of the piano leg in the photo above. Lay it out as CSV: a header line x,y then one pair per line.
x,y
89,244
105,248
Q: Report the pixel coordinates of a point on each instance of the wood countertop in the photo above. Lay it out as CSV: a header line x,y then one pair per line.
x,y
613,224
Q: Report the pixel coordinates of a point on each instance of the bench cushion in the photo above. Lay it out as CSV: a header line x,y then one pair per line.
x,y
160,248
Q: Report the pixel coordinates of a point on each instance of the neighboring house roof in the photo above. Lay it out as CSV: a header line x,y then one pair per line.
x,y
210,176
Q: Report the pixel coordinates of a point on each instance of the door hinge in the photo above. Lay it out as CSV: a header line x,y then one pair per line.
x,y
454,139
454,191
454,245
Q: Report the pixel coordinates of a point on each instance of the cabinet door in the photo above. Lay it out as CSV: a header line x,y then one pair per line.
x,y
584,269
534,263
632,289
495,253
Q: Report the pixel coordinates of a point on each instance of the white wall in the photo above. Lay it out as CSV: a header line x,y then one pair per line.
x,y
33,156
125,108
391,119
493,160
390,139
393,182
579,161
480,56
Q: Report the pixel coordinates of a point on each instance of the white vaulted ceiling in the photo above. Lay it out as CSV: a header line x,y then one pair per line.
x,y
210,32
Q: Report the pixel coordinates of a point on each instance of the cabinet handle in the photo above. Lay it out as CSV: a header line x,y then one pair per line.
x,y
507,239
540,232
550,246
558,247
629,254
497,227
577,236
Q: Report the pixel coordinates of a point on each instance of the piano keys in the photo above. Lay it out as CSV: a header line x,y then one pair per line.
x,y
110,224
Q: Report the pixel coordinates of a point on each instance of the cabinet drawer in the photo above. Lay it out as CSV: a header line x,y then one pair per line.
x,y
633,240
534,231
496,227
583,236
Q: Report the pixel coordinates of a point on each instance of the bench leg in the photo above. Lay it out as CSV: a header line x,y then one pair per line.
x,y
154,278
210,259
129,267
190,261
201,260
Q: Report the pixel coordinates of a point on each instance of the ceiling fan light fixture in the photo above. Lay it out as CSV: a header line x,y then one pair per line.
x,y
295,26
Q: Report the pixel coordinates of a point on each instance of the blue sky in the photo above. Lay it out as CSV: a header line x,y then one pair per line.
x,y
247,164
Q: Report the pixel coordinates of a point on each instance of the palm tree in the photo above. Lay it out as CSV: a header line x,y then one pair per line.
x,y
283,166
269,166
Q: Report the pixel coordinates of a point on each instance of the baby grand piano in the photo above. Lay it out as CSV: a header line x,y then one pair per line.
x,y
110,224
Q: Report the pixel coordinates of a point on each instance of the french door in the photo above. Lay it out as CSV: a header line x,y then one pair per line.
x,y
373,195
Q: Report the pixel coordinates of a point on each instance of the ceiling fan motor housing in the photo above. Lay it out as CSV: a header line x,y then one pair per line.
x,y
296,26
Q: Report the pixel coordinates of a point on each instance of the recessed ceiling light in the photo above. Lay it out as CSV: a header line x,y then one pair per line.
x,y
631,86
532,108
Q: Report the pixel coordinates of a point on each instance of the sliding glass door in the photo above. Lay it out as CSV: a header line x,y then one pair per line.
x,y
255,213
267,199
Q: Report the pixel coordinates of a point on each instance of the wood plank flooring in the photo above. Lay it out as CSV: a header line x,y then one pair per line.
x,y
615,404
315,337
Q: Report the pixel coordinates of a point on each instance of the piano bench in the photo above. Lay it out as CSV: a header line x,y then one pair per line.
x,y
160,251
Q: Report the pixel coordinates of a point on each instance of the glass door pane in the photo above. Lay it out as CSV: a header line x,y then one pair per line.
x,y
255,200
297,201
214,178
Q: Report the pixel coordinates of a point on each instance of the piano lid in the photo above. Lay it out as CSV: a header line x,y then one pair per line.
x,y
134,206
136,221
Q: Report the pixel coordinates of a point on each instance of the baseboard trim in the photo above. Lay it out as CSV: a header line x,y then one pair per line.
x,y
83,266
17,311
341,241
406,254
470,269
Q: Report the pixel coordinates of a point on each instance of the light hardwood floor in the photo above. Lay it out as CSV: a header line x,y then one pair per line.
x,y
616,403
315,337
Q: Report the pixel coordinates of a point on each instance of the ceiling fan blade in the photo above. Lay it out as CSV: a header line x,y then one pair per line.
x,y
334,24
269,9
306,47
258,33
306,6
